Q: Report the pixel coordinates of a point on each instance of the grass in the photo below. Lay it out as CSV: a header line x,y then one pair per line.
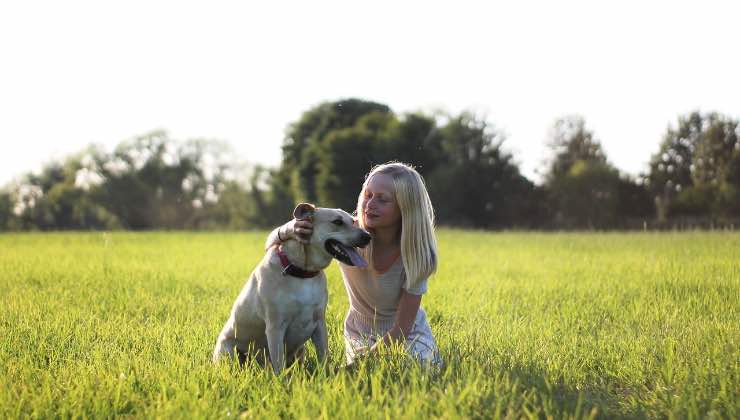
x,y
636,325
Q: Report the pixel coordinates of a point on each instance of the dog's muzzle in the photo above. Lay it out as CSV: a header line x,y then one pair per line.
x,y
348,254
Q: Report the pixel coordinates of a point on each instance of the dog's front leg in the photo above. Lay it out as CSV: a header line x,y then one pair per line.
x,y
320,341
275,331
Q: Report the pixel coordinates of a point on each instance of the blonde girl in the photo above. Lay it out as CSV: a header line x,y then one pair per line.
x,y
385,297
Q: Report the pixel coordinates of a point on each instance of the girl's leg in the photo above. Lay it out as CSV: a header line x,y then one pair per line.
x,y
358,337
421,345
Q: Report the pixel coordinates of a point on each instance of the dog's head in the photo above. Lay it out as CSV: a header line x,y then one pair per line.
x,y
335,233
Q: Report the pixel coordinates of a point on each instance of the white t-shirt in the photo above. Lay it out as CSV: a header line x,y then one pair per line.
x,y
374,295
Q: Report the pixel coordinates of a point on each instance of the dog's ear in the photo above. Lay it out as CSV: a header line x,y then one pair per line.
x,y
304,211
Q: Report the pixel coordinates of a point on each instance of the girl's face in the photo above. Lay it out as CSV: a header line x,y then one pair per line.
x,y
379,205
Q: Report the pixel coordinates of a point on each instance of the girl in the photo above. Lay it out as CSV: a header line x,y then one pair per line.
x,y
385,297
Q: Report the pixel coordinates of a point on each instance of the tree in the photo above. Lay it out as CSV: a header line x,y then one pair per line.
x,y
476,182
6,210
416,140
58,198
348,154
153,181
582,186
571,142
270,189
695,170
634,202
586,196
303,144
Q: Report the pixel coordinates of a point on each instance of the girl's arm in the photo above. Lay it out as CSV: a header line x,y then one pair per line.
x,y
295,229
274,238
408,307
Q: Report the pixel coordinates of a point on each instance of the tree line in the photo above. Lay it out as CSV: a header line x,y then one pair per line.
x,y
156,182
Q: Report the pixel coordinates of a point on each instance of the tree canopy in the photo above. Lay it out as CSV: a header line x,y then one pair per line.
x,y
696,170
156,182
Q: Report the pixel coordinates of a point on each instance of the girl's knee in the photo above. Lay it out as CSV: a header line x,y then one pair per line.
x,y
425,352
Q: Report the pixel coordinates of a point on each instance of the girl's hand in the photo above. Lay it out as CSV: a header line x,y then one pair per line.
x,y
299,229
360,354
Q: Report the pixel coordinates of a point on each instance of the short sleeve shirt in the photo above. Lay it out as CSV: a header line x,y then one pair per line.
x,y
376,295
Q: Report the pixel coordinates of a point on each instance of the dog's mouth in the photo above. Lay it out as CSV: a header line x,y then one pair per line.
x,y
345,254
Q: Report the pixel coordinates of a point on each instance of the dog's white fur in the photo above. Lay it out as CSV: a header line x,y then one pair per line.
x,y
278,312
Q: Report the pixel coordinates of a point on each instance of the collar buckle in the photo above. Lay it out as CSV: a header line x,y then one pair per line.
x,y
289,269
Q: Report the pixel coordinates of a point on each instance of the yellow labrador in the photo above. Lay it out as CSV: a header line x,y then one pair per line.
x,y
284,302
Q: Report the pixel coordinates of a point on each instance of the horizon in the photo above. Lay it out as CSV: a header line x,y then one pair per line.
x,y
83,73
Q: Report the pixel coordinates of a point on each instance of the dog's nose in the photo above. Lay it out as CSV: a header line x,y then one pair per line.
x,y
365,238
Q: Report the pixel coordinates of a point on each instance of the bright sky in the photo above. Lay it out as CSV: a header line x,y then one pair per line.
x,y
76,72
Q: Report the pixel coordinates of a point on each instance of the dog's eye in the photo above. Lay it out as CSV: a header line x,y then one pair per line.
x,y
338,222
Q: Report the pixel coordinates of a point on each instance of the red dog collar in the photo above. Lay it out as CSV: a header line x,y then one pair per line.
x,y
292,270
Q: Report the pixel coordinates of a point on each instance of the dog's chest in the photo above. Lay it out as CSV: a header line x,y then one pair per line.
x,y
300,293
304,307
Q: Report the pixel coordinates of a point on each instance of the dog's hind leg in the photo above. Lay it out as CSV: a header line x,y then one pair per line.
x,y
225,345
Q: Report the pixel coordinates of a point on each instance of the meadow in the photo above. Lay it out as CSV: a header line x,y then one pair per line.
x,y
561,325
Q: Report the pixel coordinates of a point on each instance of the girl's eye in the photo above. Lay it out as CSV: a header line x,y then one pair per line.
x,y
338,222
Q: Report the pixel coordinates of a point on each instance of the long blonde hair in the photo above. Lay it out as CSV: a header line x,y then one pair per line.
x,y
418,242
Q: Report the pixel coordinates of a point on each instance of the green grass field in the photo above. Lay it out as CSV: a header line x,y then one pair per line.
x,y
529,325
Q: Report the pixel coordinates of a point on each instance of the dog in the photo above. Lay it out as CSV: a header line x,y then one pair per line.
x,y
283,304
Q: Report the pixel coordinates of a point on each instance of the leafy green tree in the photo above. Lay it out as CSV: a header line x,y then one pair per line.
x,y
347,156
33,211
234,210
634,202
695,169
586,196
476,183
32,207
69,197
264,202
59,196
270,189
729,189
303,144
6,210
328,152
153,181
417,141
583,187
571,142
74,208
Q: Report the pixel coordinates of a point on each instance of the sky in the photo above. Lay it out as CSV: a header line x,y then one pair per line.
x,y
79,72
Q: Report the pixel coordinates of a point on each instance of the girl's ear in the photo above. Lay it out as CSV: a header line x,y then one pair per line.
x,y
304,211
